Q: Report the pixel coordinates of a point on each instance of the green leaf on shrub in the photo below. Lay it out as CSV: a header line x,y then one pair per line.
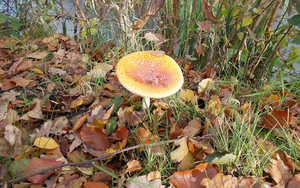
x,y
296,40
295,20
2,18
246,21
240,35
298,7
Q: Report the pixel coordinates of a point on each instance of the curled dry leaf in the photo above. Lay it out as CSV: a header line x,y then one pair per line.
x,y
79,122
193,128
38,164
153,176
280,173
277,119
205,26
38,55
143,136
10,95
108,114
133,166
206,8
36,112
45,143
193,178
3,109
220,181
95,137
178,154
203,85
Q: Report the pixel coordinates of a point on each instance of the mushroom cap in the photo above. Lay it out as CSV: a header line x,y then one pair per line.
x,y
148,75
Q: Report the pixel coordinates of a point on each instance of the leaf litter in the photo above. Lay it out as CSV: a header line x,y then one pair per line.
x,y
65,118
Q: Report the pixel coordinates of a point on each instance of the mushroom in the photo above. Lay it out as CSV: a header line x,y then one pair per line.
x,y
150,74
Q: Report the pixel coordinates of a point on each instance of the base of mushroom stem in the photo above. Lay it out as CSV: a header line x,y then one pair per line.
x,y
145,102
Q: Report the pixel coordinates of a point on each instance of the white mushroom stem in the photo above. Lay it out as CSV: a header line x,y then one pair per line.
x,y
145,102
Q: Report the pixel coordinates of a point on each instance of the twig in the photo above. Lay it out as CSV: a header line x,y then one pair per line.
x,y
45,171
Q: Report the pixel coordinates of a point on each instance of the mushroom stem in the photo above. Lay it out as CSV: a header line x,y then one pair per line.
x,y
145,102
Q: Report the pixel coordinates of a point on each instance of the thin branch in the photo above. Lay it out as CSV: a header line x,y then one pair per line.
x,y
45,171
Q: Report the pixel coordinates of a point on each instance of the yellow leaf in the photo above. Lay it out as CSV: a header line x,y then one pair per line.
x,y
186,95
76,102
37,71
204,84
246,21
45,143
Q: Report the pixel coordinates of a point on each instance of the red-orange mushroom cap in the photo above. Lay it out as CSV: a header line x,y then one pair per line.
x,y
148,75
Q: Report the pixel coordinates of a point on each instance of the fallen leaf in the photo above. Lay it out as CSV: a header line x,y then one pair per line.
x,y
133,166
294,182
280,173
203,85
45,143
178,154
3,109
220,181
186,95
143,136
193,178
10,95
79,122
141,182
94,184
95,137
277,119
36,112
193,128
153,175
38,164
38,55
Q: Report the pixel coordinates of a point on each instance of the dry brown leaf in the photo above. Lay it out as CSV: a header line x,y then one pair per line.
x,y
280,173
36,112
206,8
193,128
97,114
143,136
133,166
193,178
37,164
38,55
178,154
220,181
79,122
294,182
108,114
95,137
94,184
204,25
10,95
153,175
277,119
50,86
141,182
3,109
186,163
